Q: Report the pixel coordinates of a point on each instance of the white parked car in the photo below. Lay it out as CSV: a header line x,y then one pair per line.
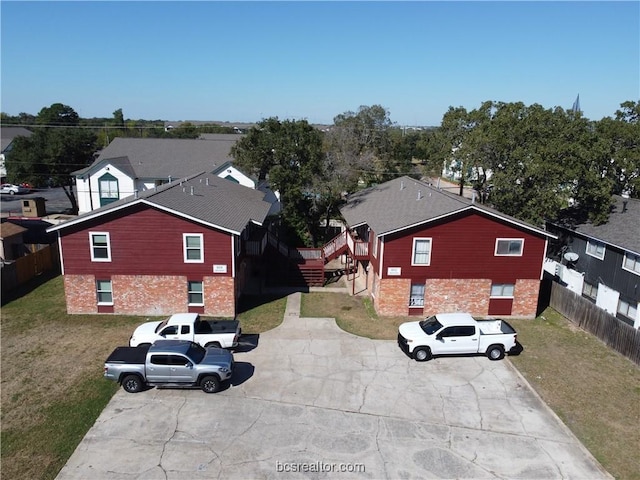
x,y
12,189
456,334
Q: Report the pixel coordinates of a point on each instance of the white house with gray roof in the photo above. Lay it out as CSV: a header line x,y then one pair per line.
x,y
134,165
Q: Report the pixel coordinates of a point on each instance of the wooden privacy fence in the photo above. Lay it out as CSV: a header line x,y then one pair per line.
x,y
615,333
25,268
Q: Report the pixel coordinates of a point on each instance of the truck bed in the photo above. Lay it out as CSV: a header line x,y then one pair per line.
x,y
494,326
204,326
132,355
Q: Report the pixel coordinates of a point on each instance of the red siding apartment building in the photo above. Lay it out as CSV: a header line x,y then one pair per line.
x,y
177,247
430,251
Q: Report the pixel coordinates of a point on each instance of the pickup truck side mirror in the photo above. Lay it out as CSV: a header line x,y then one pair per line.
x,y
189,365
439,337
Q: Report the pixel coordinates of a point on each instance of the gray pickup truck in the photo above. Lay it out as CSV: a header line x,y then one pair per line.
x,y
169,363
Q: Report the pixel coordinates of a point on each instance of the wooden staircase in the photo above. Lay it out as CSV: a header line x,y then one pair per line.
x,y
305,266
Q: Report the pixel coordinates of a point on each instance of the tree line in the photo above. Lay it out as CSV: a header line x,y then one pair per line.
x,y
526,161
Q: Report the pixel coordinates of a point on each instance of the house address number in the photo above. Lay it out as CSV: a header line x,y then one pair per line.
x,y
394,271
219,269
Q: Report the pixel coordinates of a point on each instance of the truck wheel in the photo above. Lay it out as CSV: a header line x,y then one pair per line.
x,y
213,344
132,383
210,384
495,352
422,354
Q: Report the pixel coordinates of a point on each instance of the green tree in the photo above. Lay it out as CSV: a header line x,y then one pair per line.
x,y
623,135
51,154
367,143
289,155
58,115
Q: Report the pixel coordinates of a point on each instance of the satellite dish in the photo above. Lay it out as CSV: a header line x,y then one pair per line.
x,y
571,256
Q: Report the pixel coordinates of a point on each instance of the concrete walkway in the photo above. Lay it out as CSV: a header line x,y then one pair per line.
x,y
312,401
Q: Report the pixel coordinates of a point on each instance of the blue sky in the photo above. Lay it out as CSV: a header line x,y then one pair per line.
x,y
244,61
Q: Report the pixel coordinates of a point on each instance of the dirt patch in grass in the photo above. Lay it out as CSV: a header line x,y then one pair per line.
x,y
593,389
52,388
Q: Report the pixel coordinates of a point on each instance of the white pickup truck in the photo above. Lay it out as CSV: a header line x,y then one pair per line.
x,y
220,333
456,334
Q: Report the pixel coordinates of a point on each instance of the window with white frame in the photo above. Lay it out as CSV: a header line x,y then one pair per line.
x,y
193,249
416,299
195,293
628,309
509,247
502,290
100,246
108,189
631,262
421,254
595,249
104,292
589,290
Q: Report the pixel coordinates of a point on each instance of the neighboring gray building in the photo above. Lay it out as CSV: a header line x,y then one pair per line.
x,y
602,262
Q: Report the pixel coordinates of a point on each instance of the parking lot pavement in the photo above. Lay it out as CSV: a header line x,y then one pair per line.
x,y
313,401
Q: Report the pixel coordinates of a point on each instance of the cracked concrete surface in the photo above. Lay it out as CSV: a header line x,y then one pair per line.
x,y
318,394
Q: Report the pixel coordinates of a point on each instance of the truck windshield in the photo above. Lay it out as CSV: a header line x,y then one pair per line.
x,y
161,325
430,325
196,352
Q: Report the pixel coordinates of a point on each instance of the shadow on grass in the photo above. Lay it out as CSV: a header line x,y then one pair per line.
x,y
28,287
249,302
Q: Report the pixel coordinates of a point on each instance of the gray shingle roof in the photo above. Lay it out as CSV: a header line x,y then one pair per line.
x,y
622,229
7,134
405,202
219,203
169,157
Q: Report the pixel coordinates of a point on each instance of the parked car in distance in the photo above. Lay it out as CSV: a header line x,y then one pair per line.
x,y
222,333
13,189
169,363
456,334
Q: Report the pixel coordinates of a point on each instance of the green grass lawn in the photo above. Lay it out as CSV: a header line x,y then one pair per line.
x,y
52,365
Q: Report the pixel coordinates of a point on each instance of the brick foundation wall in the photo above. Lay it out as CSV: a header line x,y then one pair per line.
x,y
80,294
149,295
219,296
525,302
457,295
393,296
452,295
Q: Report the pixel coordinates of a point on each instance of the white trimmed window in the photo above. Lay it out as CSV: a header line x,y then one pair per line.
x,y
104,292
195,293
509,247
100,246
628,309
502,290
631,263
595,249
416,299
421,254
589,290
193,247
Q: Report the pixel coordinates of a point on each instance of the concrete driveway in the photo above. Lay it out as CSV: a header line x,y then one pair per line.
x,y
312,401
